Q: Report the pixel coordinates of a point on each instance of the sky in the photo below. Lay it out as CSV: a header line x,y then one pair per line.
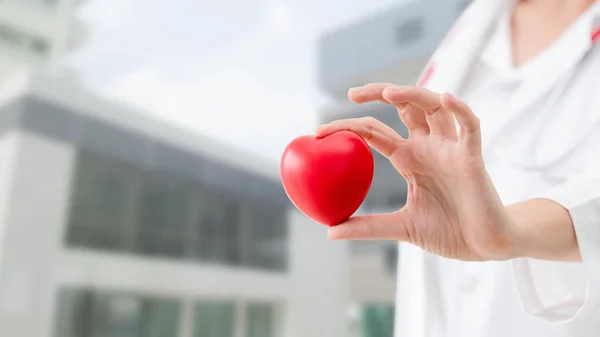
x,y
240,71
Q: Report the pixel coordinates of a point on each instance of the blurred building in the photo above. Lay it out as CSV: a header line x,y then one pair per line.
x,y
38,34
115,224
392,46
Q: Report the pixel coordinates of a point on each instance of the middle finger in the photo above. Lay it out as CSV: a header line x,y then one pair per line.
x,y
439,120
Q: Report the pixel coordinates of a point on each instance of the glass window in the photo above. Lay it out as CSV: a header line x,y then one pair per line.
x,y
11,36
378,320
214,319
219,230
260,320
99,204
82,313
119,207
39,46
158,318
74,313
163,219
266,236
115,316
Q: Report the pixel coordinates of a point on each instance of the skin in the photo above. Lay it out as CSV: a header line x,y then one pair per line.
x,y
453,209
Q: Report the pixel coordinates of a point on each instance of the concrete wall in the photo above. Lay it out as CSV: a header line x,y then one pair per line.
x,y
8,156
368,271
319,282
33,227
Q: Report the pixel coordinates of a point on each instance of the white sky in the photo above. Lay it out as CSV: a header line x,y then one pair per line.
x,y
241,71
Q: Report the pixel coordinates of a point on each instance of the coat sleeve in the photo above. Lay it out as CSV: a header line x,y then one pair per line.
x,y
560,292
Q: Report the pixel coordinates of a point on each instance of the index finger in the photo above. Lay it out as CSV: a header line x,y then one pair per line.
x,y
369,93
378,135
421,98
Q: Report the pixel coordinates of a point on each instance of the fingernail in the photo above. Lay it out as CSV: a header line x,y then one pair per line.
x,y
319,131
357,89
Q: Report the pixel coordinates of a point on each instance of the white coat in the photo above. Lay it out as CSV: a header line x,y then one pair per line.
x,y
437,297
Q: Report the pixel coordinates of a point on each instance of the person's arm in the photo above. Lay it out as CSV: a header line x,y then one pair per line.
x,y
562,224
453,209
544,230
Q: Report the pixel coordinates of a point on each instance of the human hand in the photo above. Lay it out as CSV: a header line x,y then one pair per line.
x,y
452,209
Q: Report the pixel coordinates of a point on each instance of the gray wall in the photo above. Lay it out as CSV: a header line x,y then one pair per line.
x,y
401,35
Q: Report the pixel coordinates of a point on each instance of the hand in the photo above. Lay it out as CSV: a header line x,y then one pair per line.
x,y
452,209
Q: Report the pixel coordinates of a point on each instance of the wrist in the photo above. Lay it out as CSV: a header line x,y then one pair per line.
x,y
540,229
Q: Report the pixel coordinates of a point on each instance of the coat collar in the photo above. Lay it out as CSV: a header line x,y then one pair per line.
x,y
451,64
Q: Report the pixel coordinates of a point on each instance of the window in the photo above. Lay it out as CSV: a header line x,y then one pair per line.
x,y
99,205
117,207
11,36
23,41
83,313
378,320
409,31
39,46
214,319
260,320
163,219
219,230
266,238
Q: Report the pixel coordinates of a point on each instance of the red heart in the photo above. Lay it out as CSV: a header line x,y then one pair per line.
x,y
327,178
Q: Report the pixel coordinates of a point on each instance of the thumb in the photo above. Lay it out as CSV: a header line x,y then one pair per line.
x,y
389,226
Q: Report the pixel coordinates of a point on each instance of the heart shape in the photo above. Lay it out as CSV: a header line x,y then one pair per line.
x,y
327,178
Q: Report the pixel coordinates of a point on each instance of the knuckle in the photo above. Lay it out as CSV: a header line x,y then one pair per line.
x,y
368,133
369,119
475,123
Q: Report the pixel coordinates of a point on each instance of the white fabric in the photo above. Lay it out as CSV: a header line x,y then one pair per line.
x,y
541,130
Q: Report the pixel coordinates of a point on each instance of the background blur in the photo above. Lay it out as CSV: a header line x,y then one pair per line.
x,y
139,147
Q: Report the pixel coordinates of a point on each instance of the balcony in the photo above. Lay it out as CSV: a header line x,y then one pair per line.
x,y
392,46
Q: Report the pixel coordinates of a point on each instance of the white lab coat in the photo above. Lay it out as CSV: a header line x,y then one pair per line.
x,y
437,297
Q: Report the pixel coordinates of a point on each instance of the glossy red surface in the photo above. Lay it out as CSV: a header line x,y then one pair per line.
x,y
327,178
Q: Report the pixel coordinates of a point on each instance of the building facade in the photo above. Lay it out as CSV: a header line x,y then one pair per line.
x,y
392,46
38,34
115,224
